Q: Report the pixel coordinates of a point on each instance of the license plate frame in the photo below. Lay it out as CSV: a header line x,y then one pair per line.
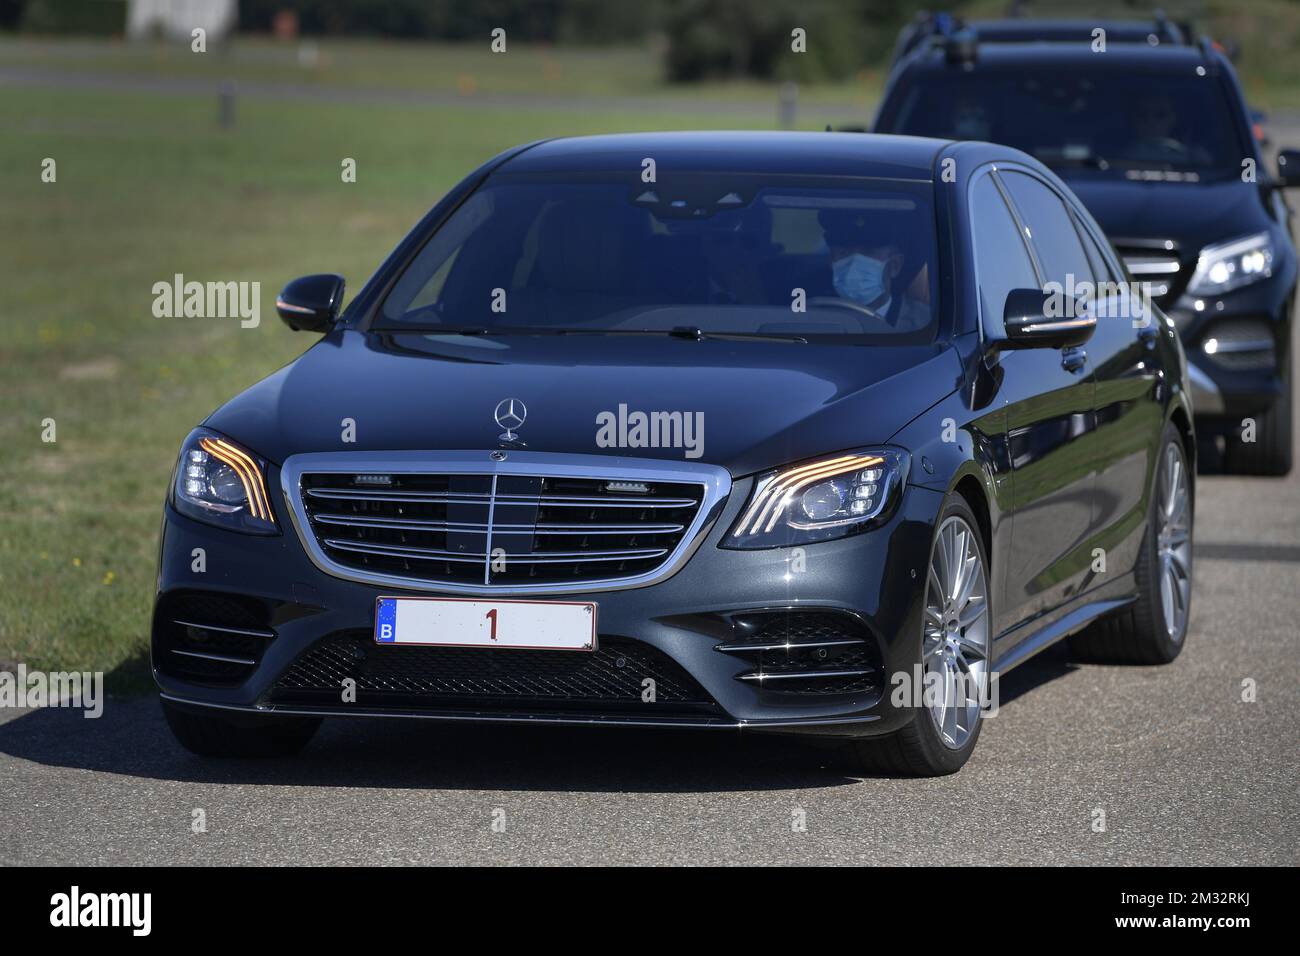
x,y
557,629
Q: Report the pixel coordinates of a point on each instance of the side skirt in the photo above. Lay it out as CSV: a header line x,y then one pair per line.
x,y
1070,623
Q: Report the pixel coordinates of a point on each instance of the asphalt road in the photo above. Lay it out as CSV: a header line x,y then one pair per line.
x,y
1184,770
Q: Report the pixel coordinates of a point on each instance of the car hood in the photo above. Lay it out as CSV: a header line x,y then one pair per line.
x,y
761,404
1194,215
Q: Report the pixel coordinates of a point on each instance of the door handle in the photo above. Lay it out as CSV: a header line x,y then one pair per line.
x,y
1072,360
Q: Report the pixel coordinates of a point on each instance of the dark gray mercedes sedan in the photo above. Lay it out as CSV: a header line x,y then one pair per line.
x,y
791,432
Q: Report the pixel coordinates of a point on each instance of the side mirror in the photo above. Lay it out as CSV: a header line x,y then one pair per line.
x,y
311,303
1035,319
1288,167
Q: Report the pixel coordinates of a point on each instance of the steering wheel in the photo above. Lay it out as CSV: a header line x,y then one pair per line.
x,y
1169,145
835,302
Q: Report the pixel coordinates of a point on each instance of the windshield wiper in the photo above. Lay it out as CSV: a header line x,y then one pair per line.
x,y
678,331
464,330
692,333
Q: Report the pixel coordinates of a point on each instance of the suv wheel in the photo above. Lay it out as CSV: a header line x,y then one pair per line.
x,y
1152,629
1270,452
956,636
209,735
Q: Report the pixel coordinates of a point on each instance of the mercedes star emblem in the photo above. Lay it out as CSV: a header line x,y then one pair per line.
x,y
510,414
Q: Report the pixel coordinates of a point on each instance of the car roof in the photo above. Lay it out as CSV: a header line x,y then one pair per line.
x,y
1066,56
871,155
1117,31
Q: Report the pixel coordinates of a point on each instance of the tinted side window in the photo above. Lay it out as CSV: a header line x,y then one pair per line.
x,y
1050,229
1100,269
1000,253
1110,292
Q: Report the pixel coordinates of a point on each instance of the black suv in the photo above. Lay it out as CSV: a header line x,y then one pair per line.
x,y
1156,139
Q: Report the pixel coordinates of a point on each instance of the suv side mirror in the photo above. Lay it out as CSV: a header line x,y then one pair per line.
x,y
311,303
1288,167
1035,319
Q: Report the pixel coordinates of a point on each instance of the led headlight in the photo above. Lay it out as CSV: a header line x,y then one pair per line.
x,y
1231,265
819,500
221,483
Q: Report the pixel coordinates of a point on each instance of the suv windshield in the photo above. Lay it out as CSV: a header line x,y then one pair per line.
x,y
1103,120
833,259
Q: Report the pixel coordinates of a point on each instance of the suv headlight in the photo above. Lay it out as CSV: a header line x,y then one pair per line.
x,y
222,484
1231,265
822,499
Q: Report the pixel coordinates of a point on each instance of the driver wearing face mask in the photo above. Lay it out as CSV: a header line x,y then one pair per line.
x,y
864,264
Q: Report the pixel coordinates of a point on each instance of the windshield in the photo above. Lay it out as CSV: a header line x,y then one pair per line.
x,y
1100,120
835,259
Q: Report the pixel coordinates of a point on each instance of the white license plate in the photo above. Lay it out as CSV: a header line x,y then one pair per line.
x,y
466,622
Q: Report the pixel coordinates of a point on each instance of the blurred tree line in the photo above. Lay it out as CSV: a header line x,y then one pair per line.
x,y
530,21
701,39
710,39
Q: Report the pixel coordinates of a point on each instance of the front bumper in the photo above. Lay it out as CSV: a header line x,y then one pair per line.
x,y
1237,348
874,580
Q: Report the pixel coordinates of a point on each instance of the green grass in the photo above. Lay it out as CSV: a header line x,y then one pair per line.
x,y
148,186
467,70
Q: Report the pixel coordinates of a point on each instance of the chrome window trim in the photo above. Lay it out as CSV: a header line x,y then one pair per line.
x,y
715,483
990,170
1025,235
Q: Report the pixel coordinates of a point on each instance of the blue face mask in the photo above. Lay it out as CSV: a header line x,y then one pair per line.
x,y
859,278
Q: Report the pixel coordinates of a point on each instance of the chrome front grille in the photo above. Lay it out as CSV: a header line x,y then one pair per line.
x,y
462,522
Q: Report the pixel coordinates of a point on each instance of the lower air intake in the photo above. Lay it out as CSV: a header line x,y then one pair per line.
x,y
608,680
806,653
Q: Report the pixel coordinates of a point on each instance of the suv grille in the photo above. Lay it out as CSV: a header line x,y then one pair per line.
x,y
1155,262
606,680
484,529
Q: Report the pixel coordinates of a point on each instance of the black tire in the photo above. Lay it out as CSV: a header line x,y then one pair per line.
x,y
210,735
1270,452
917,750
1137,634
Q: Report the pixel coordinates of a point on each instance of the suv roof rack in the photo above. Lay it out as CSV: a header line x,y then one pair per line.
x,y
960,39
925,26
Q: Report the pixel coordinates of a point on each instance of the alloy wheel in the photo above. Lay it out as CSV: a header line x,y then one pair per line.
x,y
955,640
1174,543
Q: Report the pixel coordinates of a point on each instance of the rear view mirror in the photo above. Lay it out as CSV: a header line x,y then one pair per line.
x,y
311,303
1288,167
1036,319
